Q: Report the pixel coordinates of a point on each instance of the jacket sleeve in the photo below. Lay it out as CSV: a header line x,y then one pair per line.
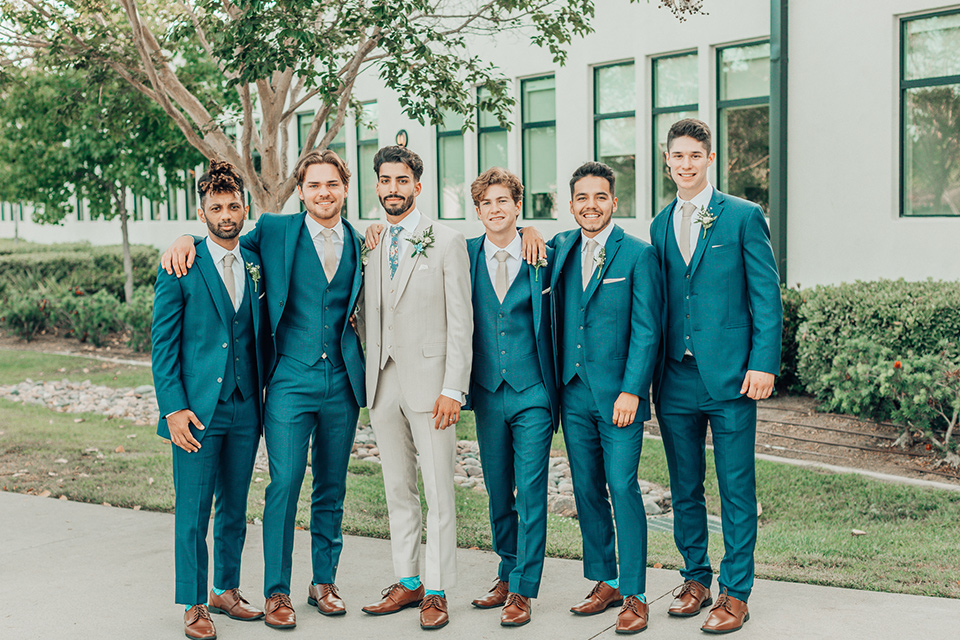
x,y
459,311
168,306
763,292
645,317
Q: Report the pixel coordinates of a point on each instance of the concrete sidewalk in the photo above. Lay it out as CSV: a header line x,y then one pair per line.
x,y
79,571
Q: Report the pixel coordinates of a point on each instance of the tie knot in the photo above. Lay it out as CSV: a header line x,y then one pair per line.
x,y
395,230
327,233
228,261
687,209
591,245
501,255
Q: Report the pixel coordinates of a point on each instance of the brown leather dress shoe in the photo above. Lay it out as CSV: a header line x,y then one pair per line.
x,y
601,598
516,612
326,599
433,612
395,598
726,616
279,612
633,616
692,598
198,624
233,605
494,598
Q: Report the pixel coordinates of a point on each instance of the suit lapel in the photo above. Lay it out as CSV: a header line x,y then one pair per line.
x,y
409,265
352,239
715,208
292,231
563,251
661,239
610,251
536,295
213,280
254,293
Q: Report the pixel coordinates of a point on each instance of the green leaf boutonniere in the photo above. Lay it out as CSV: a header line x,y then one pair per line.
x,y
599,259
539,264
421,241
706,219
364,255
254,271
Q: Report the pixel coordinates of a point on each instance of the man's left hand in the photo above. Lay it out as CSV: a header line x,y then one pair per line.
x,y
758,385
625,409
446,412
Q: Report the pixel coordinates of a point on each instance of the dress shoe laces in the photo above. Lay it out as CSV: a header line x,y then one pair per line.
x,y
631,603
327,589
724,601
432,601
595,589
516,600
389,590
686,587
283,600
200,612
236,595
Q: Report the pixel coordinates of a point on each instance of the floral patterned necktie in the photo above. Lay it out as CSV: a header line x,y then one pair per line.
x,y
395,230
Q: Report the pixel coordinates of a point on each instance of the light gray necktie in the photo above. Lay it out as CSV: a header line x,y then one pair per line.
x,y
687,210
228,279
503,282
590,251
329,255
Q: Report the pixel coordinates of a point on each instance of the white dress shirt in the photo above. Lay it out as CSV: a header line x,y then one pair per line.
x,y
513,260
315,229
702,199
600,239
217,253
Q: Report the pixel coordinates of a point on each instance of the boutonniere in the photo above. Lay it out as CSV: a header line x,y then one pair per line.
x,y
599,259
421,241
706,219
254,271
539,264
364,255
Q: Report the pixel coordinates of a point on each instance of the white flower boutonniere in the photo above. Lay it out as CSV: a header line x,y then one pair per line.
x,y
539,264
599,259
364,255
706,219
421,242
254,271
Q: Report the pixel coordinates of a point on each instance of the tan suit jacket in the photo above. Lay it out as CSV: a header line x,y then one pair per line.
x,y
430,311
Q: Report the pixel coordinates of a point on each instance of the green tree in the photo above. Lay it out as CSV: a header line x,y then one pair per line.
x,y
272,57
83,132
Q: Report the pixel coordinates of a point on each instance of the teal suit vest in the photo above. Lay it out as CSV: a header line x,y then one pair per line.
x,y
678,328
241,372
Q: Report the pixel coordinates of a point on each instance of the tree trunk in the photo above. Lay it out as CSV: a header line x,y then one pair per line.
x,y
127,258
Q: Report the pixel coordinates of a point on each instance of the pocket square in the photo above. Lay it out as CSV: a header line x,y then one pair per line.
x,y
423,267
260,297
612,280
546,291
716,246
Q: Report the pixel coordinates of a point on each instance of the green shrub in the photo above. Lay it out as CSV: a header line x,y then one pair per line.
x,y
26,313
137,316
787,381
92,317
900,316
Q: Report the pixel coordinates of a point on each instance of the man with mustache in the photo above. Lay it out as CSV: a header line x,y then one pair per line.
x,y
418,321
312,280
208,372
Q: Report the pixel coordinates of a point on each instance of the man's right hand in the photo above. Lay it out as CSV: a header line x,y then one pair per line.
x,y
372,238
180,435
179,257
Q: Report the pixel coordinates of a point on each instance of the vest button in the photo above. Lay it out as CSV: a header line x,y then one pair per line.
x,y
503,333
503,353
687,338
578,364
219,380
581,327
326,326
503,370
688,297
224,345
687,276
501,315
578,346
688,315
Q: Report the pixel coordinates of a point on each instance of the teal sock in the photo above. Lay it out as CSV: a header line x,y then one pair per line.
x,y
411,583
615,583
219,592
641,597
434,592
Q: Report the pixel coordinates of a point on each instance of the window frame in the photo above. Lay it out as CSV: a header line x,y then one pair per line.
x,y
905,85
481,131
538,124
440,135
361,143
613,115
658,111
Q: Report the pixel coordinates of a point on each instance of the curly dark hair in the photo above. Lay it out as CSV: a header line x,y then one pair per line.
x,y
221,177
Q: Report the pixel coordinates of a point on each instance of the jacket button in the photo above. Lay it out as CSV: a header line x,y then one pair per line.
x,y
503,353
219,380
688,276
224,345
578,364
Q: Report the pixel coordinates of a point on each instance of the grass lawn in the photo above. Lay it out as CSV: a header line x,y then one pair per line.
x,y
805,530
17,366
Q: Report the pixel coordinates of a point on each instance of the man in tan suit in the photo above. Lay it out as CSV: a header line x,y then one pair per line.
x,y
417,322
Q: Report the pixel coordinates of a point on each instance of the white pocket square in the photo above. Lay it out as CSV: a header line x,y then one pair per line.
x,y
612,280
422,267
261,295
716,246
546,291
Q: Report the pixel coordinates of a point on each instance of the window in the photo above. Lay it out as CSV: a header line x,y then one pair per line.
x,y
190,191
339,145
675,86
451,168
171,203
743,147
137,207
491,137
615,130
368,143
304,122
930,115
79,208
539,125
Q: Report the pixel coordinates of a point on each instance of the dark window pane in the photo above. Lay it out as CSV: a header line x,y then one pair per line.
x,y
931,151
745,144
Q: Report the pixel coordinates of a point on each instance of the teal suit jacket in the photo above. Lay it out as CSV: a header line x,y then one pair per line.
x,y
735,307
542,318
191,317
275,239
622,318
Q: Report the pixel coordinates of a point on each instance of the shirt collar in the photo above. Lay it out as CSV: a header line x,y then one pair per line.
x,y
513,248
314,228
409,224
699,201
600,238
217,252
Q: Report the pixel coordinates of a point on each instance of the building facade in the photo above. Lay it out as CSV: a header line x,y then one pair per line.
x,y
872,130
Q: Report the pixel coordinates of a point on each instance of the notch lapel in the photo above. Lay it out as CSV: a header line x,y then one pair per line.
x,y
291,231
715,208
253,293
536,295
408,265
610,251
214,282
